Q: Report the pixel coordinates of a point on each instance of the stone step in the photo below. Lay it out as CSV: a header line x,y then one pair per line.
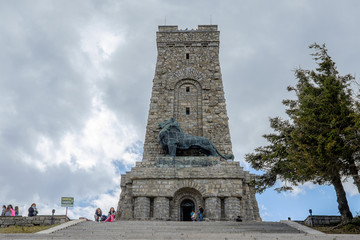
x,y
246,236
181,230
194,227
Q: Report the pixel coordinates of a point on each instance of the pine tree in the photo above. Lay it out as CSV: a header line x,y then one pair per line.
x,y
320,141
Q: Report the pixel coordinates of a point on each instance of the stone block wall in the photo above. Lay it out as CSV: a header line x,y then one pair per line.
x,y
213,208
161,208
40,220
142,208
322,220
232,207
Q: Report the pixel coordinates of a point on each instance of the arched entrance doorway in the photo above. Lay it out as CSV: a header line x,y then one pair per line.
x,y
186,207
185,199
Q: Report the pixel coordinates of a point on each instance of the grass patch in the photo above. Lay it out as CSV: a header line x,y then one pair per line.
x,y
22,229
351,228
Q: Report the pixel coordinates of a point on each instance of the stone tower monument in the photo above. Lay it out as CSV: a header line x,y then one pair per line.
x,y
187,87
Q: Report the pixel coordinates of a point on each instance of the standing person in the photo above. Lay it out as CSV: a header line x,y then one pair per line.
x,y
98,215
12,211
3,210
7,211
111,215
201,213
193,215
33,210
16,211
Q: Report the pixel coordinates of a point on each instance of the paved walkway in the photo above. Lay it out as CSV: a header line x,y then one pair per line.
x,y
182,230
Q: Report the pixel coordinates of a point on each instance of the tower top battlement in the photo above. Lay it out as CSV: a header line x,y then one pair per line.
x,y
174,28
205,35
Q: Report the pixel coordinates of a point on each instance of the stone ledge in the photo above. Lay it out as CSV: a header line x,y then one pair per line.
x,y
322,220
62,226
181,162
182,169
31,221
302,228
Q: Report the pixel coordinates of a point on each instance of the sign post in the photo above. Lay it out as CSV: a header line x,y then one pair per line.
x,y
67,202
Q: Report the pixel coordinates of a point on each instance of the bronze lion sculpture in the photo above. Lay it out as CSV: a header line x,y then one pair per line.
x,y
172,137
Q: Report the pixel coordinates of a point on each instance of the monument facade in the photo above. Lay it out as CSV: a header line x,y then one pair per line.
x,y
188,96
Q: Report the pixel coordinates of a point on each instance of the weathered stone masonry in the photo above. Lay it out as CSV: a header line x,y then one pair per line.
x,y
187,86
39,220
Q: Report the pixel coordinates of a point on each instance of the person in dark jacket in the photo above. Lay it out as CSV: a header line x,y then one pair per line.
x,y
3,210
201,213
98,215
33,210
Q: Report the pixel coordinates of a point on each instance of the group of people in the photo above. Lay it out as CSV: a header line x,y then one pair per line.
x,y
111,215
200,212
100,217
9,210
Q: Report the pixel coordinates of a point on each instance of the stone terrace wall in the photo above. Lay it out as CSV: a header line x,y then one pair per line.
x,y
31,221
322,220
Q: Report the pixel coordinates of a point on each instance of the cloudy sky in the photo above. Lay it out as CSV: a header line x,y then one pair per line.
x,y
76,78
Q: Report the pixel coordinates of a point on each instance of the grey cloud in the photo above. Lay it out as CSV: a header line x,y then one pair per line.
x,y
44,89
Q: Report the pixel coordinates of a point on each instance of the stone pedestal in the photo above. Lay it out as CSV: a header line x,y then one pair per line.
x,y
142,208
172,187
213,208
161,208
232,208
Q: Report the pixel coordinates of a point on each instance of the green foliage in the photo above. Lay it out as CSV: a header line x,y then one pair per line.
x,y
320,141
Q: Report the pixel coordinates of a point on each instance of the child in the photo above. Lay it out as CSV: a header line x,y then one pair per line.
x,y
16,211
111,215
193,215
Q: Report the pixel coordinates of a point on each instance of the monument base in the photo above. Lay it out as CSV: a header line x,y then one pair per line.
x,y
171,187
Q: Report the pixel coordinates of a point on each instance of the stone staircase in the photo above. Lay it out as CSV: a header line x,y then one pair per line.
x,y
179,230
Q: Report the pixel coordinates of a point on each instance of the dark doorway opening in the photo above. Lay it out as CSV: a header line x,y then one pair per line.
x,y
186,207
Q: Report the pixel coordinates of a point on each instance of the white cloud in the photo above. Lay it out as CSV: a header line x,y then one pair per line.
x,y
90,154
263,212
103,139
350,187
297,190
100,43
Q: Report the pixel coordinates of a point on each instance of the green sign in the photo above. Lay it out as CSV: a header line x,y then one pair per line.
x,y
67,201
